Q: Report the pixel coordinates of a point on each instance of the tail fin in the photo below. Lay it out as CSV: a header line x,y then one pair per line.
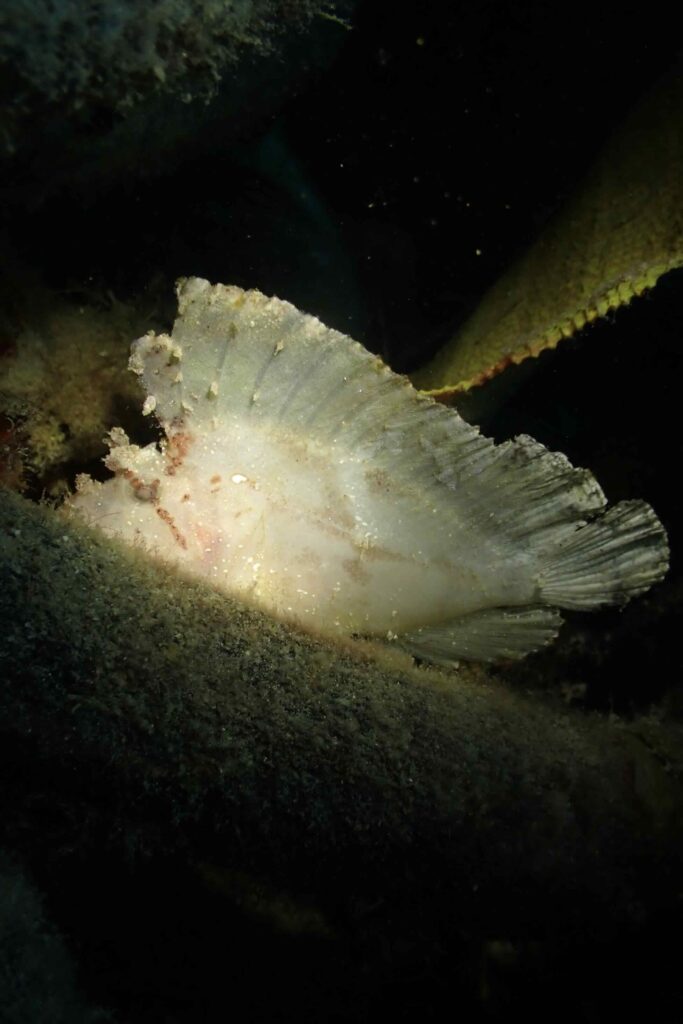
x,y
607,561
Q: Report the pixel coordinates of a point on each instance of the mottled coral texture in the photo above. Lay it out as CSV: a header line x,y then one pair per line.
x,y
111,56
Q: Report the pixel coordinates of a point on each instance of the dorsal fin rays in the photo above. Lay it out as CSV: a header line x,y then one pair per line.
x,y
238,356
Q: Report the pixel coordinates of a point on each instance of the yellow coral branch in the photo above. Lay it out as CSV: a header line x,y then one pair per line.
x,y
622,231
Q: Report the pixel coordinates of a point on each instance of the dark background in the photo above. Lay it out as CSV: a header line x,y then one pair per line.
x,y
392,182
402,164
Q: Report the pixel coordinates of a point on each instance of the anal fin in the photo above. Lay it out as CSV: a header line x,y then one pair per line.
x,y
485,635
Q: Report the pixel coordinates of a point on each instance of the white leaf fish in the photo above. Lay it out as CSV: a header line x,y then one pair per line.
x,y
300,474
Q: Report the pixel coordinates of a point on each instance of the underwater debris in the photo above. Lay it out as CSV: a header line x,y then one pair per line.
x,y
45,428
302,475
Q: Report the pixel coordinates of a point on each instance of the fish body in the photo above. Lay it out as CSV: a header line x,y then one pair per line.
x,y
300,474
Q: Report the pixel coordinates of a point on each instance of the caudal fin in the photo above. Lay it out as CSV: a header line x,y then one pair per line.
x,y
607,561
